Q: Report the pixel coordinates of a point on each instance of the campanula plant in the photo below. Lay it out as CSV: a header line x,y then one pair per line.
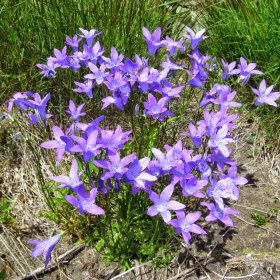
x,y
129,186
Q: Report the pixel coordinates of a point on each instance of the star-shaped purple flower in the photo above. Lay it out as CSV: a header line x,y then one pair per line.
x,y
162,203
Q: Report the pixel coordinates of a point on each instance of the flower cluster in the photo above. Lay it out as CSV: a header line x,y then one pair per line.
x,y
211,175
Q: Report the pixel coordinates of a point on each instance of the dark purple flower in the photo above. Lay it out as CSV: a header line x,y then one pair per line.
x,y
184,224
45,247
162,203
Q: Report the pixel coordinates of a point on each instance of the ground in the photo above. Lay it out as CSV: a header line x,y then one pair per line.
x,y
244,251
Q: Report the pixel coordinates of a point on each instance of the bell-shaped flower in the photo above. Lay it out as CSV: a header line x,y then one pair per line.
x,y
153,40
88,146
195,38
265,95
45,247
73,181
185,224
162,203
85,203
219,212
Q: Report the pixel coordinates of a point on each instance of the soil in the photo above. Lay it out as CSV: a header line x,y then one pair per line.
x,y
244,251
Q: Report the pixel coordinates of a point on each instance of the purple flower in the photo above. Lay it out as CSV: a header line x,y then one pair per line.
x,y
61,58
40,106
193,186
116,99
19,100
86,88
220,160
74,44
48,69
153,40
265,95
196,134
162,203
116,166
246,70
89,35
136,176
58,143
195,37
219,139
85,202
144,79
232,178
98,74
224,188
157,109
228,69
93,54
75,112
73,181
218,212
113,140
172,45
88,147
115,61
45,247
184,224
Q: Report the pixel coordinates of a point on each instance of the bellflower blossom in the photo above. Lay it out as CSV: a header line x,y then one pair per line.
x,y
85,202
45,247
195,38
88,146
265,95
73,181
156,108
74,111
153,40
185,224
228,69
162,203
59,144
246,70
89,35
218,212
48,69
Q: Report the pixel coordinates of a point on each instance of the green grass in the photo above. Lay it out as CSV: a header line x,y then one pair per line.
x,y
248,28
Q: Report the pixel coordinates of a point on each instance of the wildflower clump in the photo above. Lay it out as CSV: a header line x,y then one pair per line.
x,y
121,175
